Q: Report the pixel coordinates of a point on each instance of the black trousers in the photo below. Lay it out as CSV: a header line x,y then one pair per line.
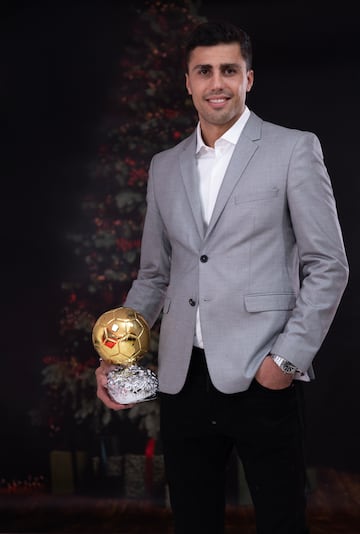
x,y
200,427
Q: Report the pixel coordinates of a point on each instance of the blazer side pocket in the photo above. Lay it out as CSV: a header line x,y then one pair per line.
x,y
269,302
166,306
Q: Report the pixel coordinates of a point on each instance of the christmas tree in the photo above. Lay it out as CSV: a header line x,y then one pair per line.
x,y
150,111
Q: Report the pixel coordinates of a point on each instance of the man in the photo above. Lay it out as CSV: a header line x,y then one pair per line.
x,y
242,253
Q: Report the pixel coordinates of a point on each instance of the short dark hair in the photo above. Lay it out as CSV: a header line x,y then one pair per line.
x,y
213,33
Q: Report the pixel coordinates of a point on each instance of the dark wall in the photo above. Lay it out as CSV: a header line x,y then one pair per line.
x,y
58,63
57,68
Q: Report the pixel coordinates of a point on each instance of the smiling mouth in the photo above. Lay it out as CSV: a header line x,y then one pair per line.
x,y
217,100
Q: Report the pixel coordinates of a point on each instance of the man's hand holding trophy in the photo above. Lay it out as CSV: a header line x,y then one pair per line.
x,y
121,337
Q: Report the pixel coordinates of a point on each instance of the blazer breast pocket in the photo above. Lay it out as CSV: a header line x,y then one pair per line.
x,y
256,195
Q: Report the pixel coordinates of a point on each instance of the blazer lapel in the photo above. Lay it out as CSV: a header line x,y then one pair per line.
x,y
191,181
243,152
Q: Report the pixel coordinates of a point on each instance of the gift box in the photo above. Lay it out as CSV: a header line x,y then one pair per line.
x,y
68,470
144,476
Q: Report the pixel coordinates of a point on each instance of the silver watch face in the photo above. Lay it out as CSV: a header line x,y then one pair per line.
x,y
287,367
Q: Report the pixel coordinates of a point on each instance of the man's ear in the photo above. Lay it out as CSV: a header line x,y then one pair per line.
x,y
250,80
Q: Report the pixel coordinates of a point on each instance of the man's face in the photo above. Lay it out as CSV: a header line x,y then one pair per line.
x,y
218,80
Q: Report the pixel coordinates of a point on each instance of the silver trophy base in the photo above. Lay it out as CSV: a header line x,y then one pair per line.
x,y
132,384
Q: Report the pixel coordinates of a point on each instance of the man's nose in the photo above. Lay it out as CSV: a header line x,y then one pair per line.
x,y
217,81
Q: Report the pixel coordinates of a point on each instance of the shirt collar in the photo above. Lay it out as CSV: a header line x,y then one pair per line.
x,y
231,135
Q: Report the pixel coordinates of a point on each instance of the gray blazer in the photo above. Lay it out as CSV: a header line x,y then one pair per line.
x,y
267,273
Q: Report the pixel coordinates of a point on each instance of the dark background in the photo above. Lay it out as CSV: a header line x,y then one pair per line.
x,y
58,65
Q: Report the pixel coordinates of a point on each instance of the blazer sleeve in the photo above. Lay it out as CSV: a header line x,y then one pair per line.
x,y
148,291
323,263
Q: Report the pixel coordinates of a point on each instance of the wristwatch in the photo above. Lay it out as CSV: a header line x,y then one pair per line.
x,y
286,366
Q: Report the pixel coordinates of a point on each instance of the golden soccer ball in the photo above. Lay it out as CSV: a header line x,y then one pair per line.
x,y
121,336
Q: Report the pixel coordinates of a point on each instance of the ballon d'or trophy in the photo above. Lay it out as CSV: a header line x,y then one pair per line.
x,y
121,337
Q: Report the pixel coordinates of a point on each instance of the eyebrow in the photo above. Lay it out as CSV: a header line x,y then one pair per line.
x,y
222,66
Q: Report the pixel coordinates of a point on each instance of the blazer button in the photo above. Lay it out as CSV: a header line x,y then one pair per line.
x,y
204,258
192,302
